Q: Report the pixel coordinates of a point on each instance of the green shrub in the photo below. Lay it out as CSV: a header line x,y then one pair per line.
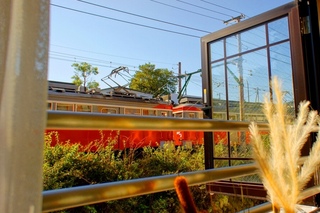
x,y
67,165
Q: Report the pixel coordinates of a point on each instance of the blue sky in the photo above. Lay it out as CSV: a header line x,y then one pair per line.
x,y
107,40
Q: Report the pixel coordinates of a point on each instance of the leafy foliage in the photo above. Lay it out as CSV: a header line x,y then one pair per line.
x,y
68,164
82,72
154,81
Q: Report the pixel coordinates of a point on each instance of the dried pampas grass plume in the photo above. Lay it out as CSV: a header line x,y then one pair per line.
x,y
278,164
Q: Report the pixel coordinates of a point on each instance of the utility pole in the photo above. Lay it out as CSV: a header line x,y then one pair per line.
x,y
240,81
248,91
179,74
240,68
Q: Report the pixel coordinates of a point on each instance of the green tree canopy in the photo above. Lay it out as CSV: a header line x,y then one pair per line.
x,y
82,72
154,81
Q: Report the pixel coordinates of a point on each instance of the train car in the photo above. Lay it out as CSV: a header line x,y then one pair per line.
x,y
189,107
66,97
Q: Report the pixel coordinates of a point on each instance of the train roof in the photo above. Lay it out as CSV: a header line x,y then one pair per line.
x,y
68,92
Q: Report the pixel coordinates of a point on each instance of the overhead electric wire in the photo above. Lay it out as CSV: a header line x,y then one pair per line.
x,y
145,17
98,53
75,58
221,6
204,8
190,11
78,57
70,60
127,22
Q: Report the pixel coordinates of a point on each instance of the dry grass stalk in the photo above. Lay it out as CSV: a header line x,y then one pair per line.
x,y
184,195
278,164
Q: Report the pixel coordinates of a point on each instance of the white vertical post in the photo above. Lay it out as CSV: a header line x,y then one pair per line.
x,y
23,91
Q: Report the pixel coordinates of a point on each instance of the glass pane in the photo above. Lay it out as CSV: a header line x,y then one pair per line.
x,y
220,137
248,81
129,111
278,30
281,66
218,81
164,113
221,144
108,110
240,144
250,178
240,71
83,108
64,107
191,115
219,110
221,163
216,50
246,40
178,115
149,112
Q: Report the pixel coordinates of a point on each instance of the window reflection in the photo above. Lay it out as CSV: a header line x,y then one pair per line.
x,y
246,41
129,111
241,72
216,50
64,107
218,81
278,30
83,108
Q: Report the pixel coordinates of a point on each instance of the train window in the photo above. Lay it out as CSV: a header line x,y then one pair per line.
x,y
83,108
64,107
109,110
192,115
178,115
164,114
130,111
49,106
149,112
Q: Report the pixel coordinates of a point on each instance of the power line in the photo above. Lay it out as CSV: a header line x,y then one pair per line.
x,y
99,53
127,22
145,17
186,10
95,64
74,58
204,8
221,6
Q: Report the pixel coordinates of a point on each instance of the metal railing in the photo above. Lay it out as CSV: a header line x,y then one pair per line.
x,y
85,195
80,120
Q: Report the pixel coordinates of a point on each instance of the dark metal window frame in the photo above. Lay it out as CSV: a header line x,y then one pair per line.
x,y
289,10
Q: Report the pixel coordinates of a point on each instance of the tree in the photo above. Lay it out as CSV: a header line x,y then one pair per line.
x,y
154,81
82,71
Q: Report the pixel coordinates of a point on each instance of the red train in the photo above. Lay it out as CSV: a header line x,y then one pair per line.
x,y
65,97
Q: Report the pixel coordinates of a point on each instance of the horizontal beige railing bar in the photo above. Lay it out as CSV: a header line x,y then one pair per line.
x,y
84,195
267,207
73,120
